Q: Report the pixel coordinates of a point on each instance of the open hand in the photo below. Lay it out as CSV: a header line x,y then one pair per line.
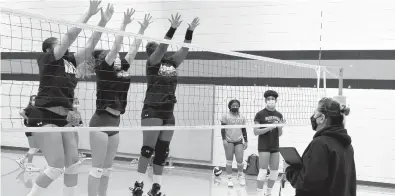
x,y
175,21
94,7
146,22
194,24
127,16
106,15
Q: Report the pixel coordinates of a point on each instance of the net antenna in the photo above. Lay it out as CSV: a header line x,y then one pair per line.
x,y
204,90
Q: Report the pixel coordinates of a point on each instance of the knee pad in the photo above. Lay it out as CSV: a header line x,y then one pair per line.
x,y
229,162
107,172
161,152
261,175
53,172
96,172
273,175
147,151
73,169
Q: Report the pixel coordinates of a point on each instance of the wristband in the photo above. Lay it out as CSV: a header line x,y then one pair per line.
x,y
170,32
188,35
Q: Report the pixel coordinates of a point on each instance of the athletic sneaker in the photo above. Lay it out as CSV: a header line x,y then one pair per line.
x,y
241,179
21,162
230,182
138,189
29,167
217,181
81,155
267,192
155,190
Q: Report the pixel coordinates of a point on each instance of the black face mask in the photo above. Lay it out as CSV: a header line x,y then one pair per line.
x,y
234,110
314,123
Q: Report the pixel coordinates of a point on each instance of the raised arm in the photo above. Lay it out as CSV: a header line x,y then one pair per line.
x,y
68,39
112,55
181,54
134,48
84,54
160,51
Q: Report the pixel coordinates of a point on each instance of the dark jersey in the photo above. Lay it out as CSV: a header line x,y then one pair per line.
x,y
57,81
112,91
161,84
269,141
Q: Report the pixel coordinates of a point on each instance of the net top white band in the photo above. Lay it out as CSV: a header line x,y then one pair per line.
x,y
128,34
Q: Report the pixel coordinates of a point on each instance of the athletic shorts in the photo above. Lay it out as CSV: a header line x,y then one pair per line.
x,y
237,142
105,119
164,112
272,150
42,117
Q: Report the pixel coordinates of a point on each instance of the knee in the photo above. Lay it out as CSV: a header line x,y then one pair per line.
x,y
107,172
161,152
147,151
53,172
73,169
57,162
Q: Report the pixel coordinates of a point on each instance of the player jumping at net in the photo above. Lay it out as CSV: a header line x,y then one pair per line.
x,y
268,142
53,108
159,105
33,148
233,141
113,82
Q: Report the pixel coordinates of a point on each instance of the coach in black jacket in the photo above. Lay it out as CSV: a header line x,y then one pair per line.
x,y
328,167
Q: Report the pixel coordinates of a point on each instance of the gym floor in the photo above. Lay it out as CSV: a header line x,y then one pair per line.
x,y
176,181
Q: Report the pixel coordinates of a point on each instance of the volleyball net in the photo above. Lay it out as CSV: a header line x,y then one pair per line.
x,y
207,79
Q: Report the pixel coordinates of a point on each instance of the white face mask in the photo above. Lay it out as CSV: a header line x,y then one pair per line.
x,y
271,103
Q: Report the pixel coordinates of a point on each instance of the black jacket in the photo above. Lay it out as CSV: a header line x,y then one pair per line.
x,y
328,166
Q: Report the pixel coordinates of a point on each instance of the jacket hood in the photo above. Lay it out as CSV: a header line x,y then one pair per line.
x,y
337,132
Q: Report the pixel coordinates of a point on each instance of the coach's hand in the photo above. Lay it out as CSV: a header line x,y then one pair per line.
x,y
74,118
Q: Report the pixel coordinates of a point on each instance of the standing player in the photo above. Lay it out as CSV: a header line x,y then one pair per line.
x,y
268,141
33,148
113,82
159,105
233,141
53,108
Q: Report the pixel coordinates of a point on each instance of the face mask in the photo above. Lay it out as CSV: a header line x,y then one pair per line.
x,y
235,110
271,103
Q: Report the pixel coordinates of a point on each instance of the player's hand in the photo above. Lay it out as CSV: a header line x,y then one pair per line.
x,y
194,24
127,16
245,145
74,118
94,7
146,22
175,21
106,15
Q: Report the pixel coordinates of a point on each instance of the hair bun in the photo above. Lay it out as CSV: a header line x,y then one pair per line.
x,y
345,110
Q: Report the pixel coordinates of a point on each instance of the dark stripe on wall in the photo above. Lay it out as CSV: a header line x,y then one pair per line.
x,y
234,81
284,55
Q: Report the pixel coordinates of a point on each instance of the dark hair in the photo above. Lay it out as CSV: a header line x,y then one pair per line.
x,y
169,61
47,43
233,101
150,48
99,56
270,93
333,110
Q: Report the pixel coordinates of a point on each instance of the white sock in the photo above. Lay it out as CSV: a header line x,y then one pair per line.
x,y
157,179
140,177
70,191
36,190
